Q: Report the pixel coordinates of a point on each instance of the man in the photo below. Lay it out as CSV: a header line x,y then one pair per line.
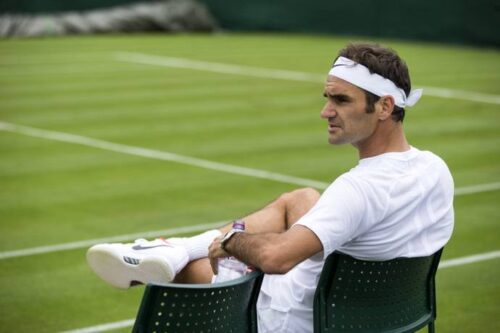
x,y
397,202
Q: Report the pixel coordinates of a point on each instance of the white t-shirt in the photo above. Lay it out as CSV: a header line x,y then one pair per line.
x,y
388,206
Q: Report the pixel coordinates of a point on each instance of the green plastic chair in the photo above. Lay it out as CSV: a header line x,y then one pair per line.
x,y
394,296
220,307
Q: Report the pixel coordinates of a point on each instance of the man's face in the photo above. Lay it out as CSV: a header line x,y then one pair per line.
x,y
345,110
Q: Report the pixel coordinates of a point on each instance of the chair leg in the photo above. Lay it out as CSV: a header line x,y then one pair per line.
x,y
431,327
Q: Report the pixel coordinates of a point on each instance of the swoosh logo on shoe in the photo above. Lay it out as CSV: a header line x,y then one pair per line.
x,y
140,247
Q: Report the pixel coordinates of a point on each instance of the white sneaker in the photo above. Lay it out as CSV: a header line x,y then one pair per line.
x,y
141,262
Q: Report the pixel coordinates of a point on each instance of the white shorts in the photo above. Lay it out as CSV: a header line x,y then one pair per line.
x,y
282,312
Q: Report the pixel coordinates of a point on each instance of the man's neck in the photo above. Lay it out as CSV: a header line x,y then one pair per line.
x,y
385,139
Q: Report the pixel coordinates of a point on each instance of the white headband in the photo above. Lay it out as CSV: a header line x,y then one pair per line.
x,y
360,76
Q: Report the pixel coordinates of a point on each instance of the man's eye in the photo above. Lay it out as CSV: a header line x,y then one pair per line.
x,y
336,98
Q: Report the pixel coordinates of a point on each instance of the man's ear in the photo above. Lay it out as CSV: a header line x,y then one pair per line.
x,y
385,106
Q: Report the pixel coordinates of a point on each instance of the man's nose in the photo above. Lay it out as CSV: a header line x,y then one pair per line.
x,y
328,111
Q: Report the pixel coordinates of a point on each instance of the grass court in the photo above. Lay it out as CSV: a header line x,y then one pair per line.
x,y
61,189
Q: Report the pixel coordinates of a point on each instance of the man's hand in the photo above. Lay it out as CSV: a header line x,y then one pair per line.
x,y
215,252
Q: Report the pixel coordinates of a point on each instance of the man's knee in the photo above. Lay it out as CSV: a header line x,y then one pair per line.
x,y
299,201
306,194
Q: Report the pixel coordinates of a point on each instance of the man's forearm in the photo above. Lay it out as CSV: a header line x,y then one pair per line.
x,y
272,253
248,247
256,250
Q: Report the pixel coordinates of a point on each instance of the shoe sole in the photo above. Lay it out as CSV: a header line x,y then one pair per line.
x,y
108,263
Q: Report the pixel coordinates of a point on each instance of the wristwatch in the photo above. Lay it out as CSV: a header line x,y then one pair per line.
x,y
227,237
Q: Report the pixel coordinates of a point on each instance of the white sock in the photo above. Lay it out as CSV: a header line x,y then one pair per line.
x,y
197,246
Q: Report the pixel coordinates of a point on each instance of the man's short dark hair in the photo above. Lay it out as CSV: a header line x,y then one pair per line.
x,y
385,62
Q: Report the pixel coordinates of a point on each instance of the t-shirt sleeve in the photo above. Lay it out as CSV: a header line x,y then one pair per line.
x,y
337,216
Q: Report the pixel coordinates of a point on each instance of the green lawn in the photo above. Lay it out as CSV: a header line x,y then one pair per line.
x,y
53,192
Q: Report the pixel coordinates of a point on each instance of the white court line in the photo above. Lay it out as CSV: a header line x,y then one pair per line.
x,y
269,73
113,239
137,151
477,188
469,259
443,264
215,67
159,155
104,327
462,94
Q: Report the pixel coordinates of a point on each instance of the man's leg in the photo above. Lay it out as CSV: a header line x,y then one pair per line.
x,y
276,217
184,259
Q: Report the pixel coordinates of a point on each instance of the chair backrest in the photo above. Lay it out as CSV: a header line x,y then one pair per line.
x,y
395,296
220,307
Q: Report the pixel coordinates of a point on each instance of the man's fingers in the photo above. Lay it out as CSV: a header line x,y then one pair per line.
x,y
213,259
214,253
214,264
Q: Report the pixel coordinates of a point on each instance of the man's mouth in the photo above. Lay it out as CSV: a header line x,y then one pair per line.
x,y
332,127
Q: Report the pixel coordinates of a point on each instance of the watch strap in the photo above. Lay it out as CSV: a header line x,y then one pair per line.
x,y
227,237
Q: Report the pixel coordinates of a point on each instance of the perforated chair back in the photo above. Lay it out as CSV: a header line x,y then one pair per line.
x,y
394,296
210,308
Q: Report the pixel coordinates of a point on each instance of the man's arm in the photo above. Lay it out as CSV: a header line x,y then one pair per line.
x,y
272,253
